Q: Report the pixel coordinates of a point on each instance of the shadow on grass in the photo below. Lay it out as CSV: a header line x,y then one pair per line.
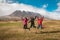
x,y
48,32
50,39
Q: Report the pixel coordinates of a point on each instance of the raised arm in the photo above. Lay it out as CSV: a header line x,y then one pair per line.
x,y
35,17
42,18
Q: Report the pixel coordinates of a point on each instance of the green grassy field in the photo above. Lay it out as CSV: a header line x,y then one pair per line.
x,y
15,31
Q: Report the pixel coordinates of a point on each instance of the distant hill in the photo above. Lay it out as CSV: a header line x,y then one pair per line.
x,y
16,15
19,13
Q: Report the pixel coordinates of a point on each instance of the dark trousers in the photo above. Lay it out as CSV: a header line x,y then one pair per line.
x,y
25,26
39,26
32,25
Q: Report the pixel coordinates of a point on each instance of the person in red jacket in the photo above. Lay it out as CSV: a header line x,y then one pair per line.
x,y
40,20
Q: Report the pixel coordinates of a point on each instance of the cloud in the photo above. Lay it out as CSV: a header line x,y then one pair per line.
x,y
56,13
58,9
6,9
45,6
9,8
53,15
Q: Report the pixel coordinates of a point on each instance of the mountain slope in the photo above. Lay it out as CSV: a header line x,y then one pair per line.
x,y
16,15
19,13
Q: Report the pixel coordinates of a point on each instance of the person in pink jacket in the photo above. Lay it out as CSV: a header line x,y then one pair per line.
x,y
25,21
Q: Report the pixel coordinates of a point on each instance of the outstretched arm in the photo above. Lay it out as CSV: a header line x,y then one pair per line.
x,y
42,18
29,21
35,17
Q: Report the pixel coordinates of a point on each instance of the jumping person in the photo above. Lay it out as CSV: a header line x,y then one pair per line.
x,y
32,22
25,21
40,20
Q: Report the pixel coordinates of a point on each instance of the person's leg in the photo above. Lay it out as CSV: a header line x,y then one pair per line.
x,y
37,30
27,27
31,25
24,28
34,25
41,26
38,26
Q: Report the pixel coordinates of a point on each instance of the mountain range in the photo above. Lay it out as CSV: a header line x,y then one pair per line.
x,y
16,15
